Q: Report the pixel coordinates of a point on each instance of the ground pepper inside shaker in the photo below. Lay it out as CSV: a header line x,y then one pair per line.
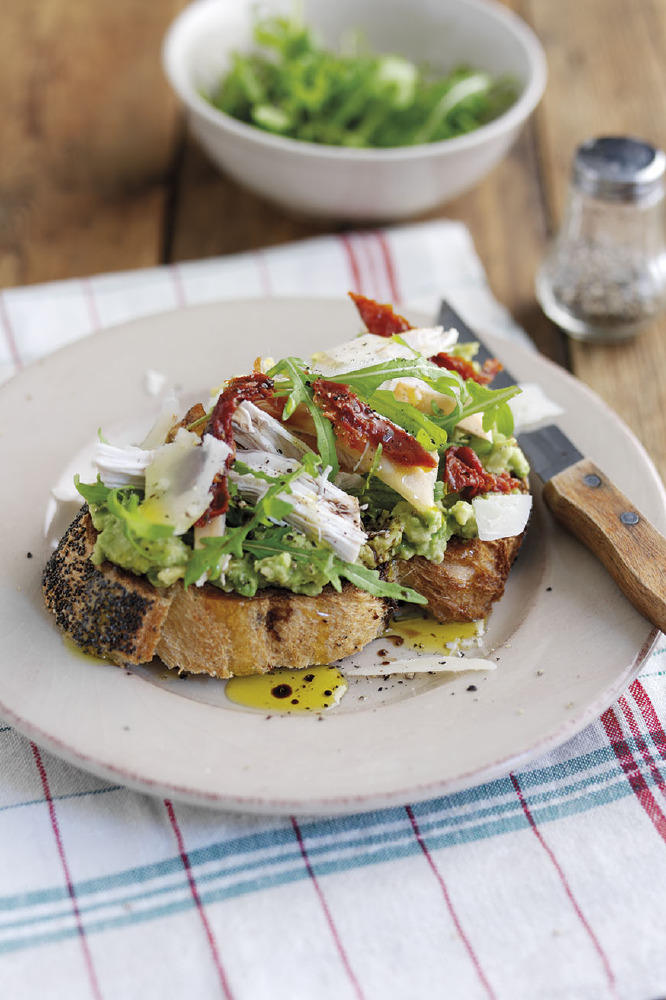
x,y
604,276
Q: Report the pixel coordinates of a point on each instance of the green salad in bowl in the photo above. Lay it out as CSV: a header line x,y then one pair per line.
x,y
361,110
291,84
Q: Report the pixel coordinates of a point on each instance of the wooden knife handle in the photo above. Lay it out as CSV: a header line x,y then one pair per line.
x,y
586,502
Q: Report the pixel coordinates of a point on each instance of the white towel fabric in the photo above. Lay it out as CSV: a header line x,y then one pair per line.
x,y
548,884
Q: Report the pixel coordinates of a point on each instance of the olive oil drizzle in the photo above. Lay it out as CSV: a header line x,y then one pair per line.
x,y
308,691
430,636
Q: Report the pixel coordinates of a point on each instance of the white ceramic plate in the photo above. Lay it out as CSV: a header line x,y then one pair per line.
x,y
564,639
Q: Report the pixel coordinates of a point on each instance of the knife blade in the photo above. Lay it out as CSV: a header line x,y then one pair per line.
x,y
584,500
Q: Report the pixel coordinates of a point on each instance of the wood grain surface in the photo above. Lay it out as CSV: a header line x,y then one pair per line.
x,y
615,530
98,172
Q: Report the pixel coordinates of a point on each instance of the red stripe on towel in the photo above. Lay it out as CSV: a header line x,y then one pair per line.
x,y
630,767
87,957
447,899
641,743
374,266
567,888
352,260
197,899
327,913
648,711
389,264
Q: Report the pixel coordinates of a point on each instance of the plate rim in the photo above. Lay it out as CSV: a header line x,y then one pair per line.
x,y
324,805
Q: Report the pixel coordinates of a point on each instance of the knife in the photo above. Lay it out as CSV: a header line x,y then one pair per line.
x,y
587,503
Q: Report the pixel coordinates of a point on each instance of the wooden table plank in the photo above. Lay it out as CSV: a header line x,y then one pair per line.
x,y
505,216
607,66
214,215
88,132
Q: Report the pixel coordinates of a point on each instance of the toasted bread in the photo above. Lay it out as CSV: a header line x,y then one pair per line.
x,y
104,610
114,614
210,632
464,586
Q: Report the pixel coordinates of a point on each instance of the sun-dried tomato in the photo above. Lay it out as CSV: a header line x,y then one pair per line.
x,y
379,317
464,474
246,387
466,369
358,426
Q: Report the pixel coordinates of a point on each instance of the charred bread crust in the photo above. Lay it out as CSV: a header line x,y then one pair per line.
x,y
470,578
112,613
105,610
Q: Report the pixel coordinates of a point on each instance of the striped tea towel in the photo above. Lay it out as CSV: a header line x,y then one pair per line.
x,y
548,884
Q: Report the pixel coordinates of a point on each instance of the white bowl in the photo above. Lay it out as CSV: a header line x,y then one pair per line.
x,y
357,184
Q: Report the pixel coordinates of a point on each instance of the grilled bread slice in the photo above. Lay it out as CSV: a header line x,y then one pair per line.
x,y
224,635
464,586
115,614
105,610
112,613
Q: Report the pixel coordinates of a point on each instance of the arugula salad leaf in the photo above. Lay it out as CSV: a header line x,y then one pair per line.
x,y
270,508
492,403
292,85
334,568
428,434
370,580
467,395
126,506
295,386
124,502
273,506
93,493
364,381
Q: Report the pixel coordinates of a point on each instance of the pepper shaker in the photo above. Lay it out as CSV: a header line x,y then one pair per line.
x,y
604,276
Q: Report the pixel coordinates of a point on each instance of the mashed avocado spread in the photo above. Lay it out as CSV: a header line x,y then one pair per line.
x,y
398,534
403,533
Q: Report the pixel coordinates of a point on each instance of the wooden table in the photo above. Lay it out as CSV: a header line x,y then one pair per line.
x,y
97,172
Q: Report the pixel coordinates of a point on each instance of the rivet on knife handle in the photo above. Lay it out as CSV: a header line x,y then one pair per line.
x,y
633,552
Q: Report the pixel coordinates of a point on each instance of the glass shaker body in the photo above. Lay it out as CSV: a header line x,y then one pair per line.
x,y
604,275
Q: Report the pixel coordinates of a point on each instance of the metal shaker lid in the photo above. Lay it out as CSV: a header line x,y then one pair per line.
x,y
618,168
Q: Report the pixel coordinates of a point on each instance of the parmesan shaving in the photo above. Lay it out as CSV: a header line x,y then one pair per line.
x,y
369,349
179,479
501,515
418,665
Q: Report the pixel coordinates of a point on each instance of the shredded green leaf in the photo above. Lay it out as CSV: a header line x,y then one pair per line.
x,y
493,403
364,381
271,507
93,493
295,386
428,434
434,429
124,502
291,85
335,569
